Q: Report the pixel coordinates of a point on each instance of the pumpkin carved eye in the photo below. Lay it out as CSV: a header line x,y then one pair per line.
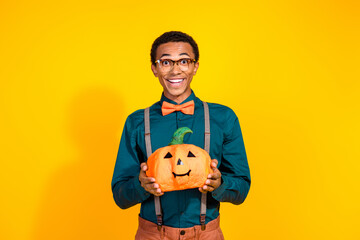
x,y
190,154
168,155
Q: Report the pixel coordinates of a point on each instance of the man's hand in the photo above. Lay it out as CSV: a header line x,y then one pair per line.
x,y
148,183
214,179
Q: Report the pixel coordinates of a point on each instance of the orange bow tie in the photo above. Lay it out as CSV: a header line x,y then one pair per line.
x,y
186,108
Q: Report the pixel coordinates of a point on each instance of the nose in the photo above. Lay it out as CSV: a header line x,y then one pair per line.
x,y
179,162
176,68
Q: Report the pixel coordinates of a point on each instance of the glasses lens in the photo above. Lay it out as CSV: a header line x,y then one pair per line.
x,y
184,64
165,65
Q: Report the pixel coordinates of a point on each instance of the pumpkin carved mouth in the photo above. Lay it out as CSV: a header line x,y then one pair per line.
x,y
181,175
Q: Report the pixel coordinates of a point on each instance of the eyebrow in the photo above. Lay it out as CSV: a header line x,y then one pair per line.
x,y
167,55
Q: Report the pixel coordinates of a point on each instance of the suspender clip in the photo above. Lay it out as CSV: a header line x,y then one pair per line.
x,y
202,221
159,222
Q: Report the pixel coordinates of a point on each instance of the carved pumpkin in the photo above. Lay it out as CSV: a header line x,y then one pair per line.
x,y
179,166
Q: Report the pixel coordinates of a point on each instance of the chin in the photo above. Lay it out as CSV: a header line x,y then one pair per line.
x,y
176,94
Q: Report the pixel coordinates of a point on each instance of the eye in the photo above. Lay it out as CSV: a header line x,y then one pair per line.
x,y
168,155
190,154
184,61
165,63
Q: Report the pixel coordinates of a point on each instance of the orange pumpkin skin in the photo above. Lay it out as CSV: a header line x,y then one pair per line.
x,y
180,171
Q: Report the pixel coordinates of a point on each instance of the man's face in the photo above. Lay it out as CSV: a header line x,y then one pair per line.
x,y
176,82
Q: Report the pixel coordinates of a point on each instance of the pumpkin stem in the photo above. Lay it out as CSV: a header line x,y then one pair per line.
x,y
178,137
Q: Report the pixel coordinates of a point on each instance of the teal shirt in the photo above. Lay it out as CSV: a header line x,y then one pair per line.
x,y
181,209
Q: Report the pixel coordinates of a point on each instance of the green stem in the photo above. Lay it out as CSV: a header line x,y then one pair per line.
x,y
178,137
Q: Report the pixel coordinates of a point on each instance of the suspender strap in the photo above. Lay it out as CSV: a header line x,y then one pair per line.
x,y
207,127
148,153
207,148
147,132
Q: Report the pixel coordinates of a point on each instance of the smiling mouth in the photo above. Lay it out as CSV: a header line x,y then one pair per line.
x,y
175,80
181,175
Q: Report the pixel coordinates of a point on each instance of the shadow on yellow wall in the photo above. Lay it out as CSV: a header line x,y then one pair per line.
x,y
77,202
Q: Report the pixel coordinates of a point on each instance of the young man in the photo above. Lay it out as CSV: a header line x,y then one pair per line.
x,y
174,58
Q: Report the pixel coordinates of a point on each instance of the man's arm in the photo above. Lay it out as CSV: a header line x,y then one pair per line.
x,y
126,187
234,174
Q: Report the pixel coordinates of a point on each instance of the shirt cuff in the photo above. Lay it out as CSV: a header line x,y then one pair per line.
x,y
218,193
143,194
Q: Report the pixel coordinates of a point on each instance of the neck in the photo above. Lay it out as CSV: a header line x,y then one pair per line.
x,y
178,99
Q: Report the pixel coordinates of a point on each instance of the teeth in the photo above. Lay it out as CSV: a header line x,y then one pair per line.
x,y
175,80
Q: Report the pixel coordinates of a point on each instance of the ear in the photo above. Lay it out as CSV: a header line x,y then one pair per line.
x,y
153,69
196,67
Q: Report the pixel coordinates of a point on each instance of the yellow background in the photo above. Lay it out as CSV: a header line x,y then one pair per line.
x,y
71,72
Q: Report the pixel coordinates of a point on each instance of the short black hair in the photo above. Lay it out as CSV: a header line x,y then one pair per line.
x,y
173,36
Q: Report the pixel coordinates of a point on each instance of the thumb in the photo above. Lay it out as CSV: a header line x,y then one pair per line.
x,y
143,166
214,163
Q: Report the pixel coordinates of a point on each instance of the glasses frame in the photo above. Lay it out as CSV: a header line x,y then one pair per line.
x,y
174,62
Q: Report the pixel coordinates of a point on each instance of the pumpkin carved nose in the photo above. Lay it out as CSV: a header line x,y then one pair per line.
x,y
179,162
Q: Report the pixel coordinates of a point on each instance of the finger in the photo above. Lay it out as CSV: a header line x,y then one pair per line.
x,y
202,190
212,183
215,175
209,182
214,163
147,180
156,190
143,166
207,188
152,190
142,174
152,187
158,194
210,188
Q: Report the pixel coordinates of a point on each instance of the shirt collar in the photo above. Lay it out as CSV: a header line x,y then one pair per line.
x,y
188,99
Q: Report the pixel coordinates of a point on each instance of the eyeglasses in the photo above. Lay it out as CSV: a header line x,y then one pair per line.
x,y
166,65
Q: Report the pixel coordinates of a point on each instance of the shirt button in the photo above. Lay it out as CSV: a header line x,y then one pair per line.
x,y
182,232
179,119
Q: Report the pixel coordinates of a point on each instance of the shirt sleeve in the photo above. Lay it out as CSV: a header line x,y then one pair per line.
x,y
234,166
126,187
